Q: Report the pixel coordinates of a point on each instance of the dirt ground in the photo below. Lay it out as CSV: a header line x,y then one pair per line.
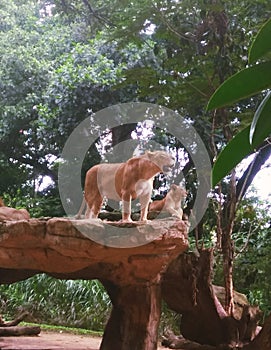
x,y
52,341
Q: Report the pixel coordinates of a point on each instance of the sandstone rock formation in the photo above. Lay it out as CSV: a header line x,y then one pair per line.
x,y
128,259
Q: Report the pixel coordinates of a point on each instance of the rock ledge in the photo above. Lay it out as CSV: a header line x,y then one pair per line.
x,y
129,259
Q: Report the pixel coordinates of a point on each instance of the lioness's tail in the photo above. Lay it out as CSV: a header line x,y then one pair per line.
x,y
2,204
82,209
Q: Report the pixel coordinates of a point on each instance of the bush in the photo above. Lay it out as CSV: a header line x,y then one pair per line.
x,y
83,304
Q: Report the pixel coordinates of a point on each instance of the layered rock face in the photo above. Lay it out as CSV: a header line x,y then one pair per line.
x,y
129,259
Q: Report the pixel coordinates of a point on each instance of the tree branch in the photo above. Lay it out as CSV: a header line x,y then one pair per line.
x,y
96,15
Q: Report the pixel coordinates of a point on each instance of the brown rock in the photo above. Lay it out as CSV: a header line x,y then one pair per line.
x,y
129,261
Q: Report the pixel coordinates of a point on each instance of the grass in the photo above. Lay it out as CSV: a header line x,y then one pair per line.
x,y
81,304
62,329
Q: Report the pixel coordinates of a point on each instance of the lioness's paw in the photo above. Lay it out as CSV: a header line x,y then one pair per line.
x,y
144,221
126,220
176,216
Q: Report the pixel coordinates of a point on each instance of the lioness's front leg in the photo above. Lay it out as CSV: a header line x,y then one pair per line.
x,y
126,207
176,213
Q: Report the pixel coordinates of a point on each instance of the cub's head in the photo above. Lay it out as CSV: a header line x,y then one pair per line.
x,y
177,192
163,160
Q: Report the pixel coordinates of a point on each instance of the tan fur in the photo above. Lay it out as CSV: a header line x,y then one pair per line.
x,y
171,203
11,214
81,209
2,204
125,182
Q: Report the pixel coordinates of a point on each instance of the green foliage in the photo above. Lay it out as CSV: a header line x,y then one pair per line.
x,y
252,269
261,123
51,77
12,176
243,84
169,320
226,161
252,253
42,204
84,304
80,82
26,55
261,45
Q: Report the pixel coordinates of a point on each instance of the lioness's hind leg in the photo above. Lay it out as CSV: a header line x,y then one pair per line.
x,y
94,206
82,207
97,206
144,206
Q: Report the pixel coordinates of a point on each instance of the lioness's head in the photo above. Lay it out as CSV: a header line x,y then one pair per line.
x,y
163,160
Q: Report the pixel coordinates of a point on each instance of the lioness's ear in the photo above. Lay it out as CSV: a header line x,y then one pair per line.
x,y
149,154
173,186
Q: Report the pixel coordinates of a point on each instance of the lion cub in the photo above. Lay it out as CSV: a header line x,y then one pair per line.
x,y
171,203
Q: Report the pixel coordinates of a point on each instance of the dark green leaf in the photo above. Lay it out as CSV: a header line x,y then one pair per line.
x,y
261,123
235,151
261,44
245,83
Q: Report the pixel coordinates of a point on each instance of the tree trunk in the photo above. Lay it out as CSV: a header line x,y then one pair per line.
x,y
263,339
15,322
18,331
227,251
179,342
228,218
10,328
134,320
122,133
187,289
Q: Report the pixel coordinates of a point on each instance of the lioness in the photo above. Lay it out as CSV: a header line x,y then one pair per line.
x,y
11,214
125,182
171,203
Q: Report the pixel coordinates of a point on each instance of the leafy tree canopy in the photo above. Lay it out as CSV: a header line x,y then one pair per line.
x,y
63,60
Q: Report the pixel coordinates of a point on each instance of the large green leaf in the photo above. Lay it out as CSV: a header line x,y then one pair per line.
x,y
261,44
245,83
261,123
235,151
